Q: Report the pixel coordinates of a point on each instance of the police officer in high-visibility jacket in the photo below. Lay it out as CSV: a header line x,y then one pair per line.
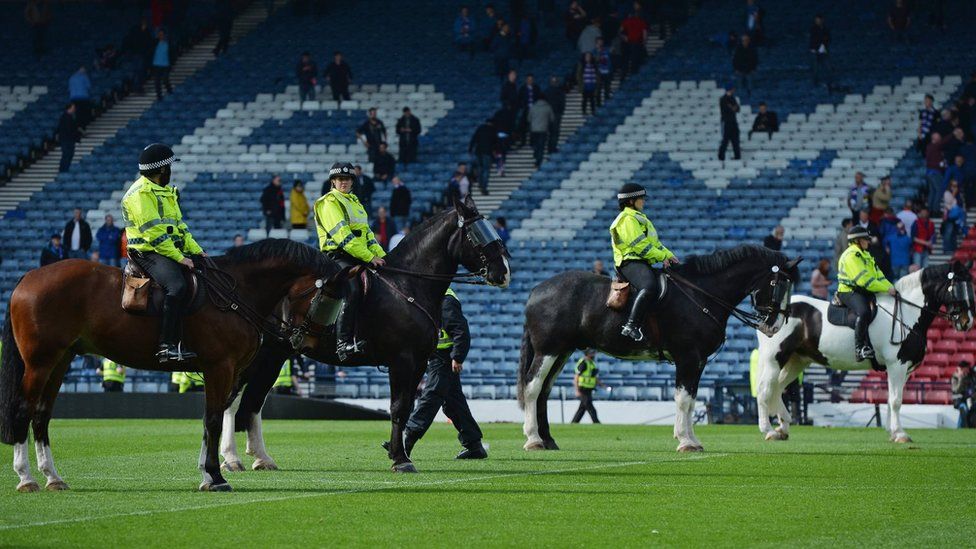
x,y
585,381
635,248
344,234
859,280
443,389
160,242
113,376
287,382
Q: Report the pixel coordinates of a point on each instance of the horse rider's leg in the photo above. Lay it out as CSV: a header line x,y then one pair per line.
x,y
402,373
41,422
897,376
536,397
228,445
217,383
688,375
255,445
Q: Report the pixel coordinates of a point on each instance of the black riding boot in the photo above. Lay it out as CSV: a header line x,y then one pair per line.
x,y
638,312
170,349
862,345
346,344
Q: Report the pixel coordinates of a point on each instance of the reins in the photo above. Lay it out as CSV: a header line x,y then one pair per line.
x,y
748,318
905,328
459,278
222,292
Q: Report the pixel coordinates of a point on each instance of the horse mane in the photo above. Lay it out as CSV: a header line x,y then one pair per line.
x,y
417,234
721,260
910,281
283,249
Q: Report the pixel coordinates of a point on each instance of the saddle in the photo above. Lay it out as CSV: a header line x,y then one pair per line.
x,y
839,315
620,292
142,296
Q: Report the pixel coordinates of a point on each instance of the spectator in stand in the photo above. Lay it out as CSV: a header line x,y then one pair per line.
x,y
524,38
876,248
898,245
489,27
820,53
68,136
109,242
604,65
161,64
923,238
225,22
307,71
557,100
106,58
400,202
755,22
881,199
840,242
501,227
588,37
396,239
729,108
857,198
77,235
273,204
339,75
953,216
140,43
926,119
745,60
95,257
588,77
505,122
954,170
907,215
968,154
383,228
899,19
598,268
238,241
384,166
635,39
774,240
481,148
575,21
298,205
362,186
766,121
371,133
501,50
943,125
963,385
528,94
510,92
408,130
820,280
79,93
37,13
459,186
935,170
541,119
464,31
53,251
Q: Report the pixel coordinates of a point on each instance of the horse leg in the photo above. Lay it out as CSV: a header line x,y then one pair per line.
x,y
228,445
217,385
261,378
688,375
255,446
766,394
402,394
34,382
897,376
536,398
40,423
787,375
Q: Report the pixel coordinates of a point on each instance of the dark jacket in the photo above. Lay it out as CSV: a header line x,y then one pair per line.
x,y
385,166
768,122
745,60
400,201
109,241
729,108
484,139
68,131
819,36
339,75
411,123
557,99
523,95
306,73
50,255
510,94
363,188
456,326
273,201
772,243
86,234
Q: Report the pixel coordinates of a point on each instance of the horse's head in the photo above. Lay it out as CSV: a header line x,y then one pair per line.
x,y
771,296
951,286
477,246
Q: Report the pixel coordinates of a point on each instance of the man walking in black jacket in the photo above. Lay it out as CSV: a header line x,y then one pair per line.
x,y
273,204
481,148
68,136
556,96
729,108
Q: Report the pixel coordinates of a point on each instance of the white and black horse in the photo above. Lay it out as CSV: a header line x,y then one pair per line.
x,y
898,334
569,312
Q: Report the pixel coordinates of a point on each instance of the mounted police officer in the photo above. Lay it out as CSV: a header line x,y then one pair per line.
x,y
160,242
859,280
635,248
344,234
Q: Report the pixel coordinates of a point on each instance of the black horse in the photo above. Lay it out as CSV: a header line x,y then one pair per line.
x,y
400,319
569,312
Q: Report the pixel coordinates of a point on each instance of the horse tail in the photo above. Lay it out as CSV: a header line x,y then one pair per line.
x,y
12,421
526,359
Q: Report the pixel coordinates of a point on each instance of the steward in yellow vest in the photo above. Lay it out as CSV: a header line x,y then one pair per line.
x,y
113,376
586,380
160,242
859,280
287,382
344,234
635,248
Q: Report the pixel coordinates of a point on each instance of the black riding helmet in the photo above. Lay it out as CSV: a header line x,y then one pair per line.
x,y
628,193
156,156
342,169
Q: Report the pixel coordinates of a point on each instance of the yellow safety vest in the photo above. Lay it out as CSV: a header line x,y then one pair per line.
x,y
633,236
444,341
110,372
284,376
342,224
154,221
856,269
587,378
188,380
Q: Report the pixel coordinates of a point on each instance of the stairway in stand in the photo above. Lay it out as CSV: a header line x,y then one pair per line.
x,y
131,107
938,256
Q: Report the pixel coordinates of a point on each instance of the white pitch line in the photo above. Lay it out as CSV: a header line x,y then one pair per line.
x,y
358,491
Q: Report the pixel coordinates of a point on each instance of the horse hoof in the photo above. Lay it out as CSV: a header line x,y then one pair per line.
x,y
232,466
686,448
774,435
56,486
264,465
210,487
784,435
406,467
29,486
533,446
550,445
903,439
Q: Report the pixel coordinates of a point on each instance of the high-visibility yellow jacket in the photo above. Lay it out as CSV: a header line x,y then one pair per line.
x,y
633,236
586,372
299,207
110,371
342,224
284,376
154,221
856,269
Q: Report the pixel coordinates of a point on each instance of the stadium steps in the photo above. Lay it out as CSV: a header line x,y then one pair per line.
x,y
45,170
819,377
941,257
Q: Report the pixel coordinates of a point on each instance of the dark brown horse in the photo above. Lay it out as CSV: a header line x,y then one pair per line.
x,y
73,307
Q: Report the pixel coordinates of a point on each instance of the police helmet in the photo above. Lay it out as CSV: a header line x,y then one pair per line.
x,y
630,191
156,156
856,232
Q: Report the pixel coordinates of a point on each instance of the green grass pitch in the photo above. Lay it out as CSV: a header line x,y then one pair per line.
x,y
133,484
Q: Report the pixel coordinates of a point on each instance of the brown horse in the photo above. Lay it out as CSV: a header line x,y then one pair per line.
x,y
73,307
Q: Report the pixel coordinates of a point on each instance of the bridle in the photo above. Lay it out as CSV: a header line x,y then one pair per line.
x,y
960,290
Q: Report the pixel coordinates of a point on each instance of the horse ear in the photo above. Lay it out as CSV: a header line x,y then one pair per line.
x,y
469,202
793,263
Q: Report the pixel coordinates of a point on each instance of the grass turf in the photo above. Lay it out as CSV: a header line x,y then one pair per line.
x,y
133,483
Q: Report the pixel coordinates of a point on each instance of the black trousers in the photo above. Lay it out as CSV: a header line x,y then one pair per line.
x,y
730,134
586,405
862,305
67,154
641,276
554,134
408,151
340,93
443,390
538,140
166,272
161,77
112,386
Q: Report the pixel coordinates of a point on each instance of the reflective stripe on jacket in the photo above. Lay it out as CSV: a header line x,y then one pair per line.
x,y
154,221
633,236
444,340
857,269
342,224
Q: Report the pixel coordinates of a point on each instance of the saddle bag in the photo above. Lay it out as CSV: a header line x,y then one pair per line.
x,y
135,290
619,293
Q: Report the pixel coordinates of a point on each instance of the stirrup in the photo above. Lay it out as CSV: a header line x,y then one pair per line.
x,y
633,332
347,349
174,353
865,352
